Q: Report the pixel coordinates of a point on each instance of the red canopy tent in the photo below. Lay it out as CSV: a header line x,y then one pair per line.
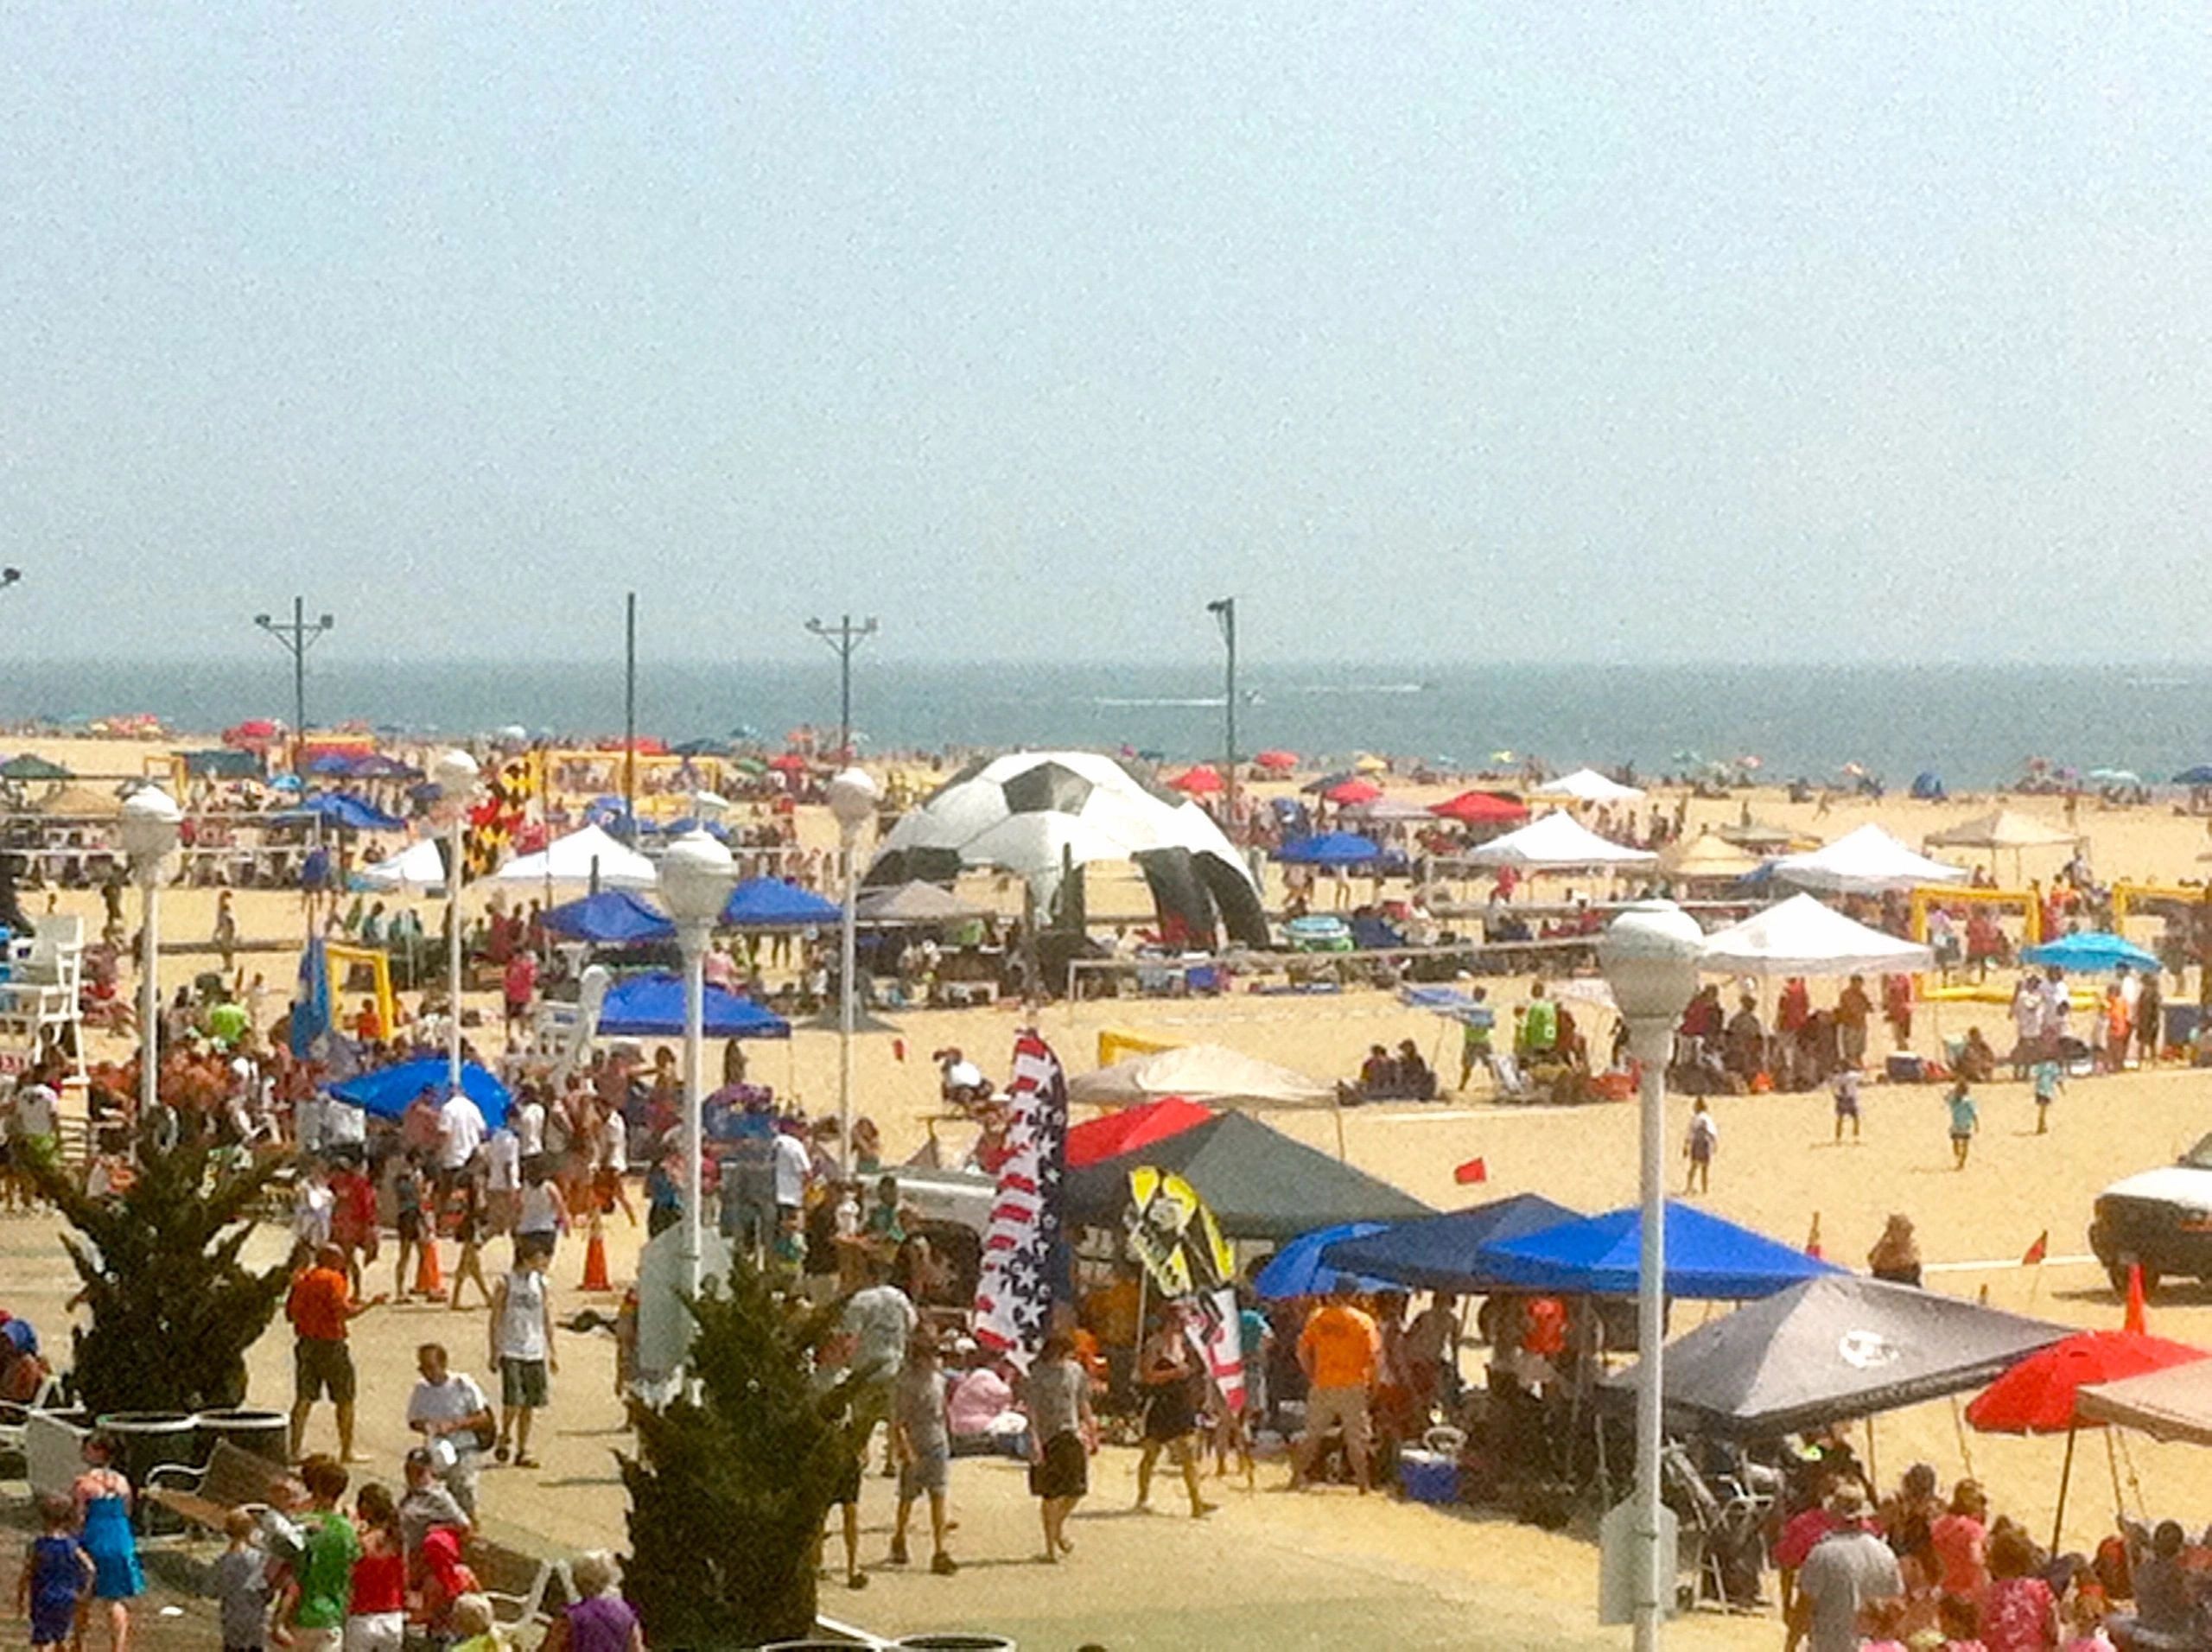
x,y
1132,1128
1481,809
1201,782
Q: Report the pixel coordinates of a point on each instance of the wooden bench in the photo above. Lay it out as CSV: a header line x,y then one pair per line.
x,y
234,1478
524,1588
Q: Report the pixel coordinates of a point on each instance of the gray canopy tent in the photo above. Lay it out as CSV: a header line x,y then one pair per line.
x,y
1832,1350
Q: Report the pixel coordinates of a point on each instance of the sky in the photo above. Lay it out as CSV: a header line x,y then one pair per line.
x,y
1442,331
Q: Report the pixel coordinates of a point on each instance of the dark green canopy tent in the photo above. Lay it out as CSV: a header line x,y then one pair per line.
x,y
31,766
1259,1183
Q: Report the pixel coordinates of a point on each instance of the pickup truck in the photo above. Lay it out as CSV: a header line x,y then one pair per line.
x,y
2161,1219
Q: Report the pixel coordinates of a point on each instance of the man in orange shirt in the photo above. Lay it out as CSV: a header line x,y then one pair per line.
x,y
1339,1350
320,1307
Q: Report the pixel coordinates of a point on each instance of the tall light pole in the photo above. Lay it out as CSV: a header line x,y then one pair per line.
x,y
853,796
1225,613
456,774
150,825
1650,955
697,876
846,638
298,636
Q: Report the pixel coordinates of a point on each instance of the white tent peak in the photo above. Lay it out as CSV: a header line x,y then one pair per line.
x,y
1556,840
577,858
1198,1072
1587,785
1800,937
1866,860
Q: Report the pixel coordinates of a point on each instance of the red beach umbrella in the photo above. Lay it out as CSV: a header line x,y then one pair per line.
x,y
1280,762
1201,782
1481,809
1132,1128
1352,792
789,763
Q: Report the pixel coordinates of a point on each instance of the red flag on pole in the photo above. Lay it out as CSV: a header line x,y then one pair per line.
x,y
1471,1172
2038,1251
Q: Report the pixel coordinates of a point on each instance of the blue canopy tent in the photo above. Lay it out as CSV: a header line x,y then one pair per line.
x,y
1297,1269
1330,848
652,1007
770,903
1437,1253
387,1091
343,809
1707,1259
2090,952
611,918
332,762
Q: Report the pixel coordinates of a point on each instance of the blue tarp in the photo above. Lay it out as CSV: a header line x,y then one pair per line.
x,y
1707,1259
2092,953
1438,1252
343,809
1297,1269
652,1007
387,1091
761,902
1330,848
611,918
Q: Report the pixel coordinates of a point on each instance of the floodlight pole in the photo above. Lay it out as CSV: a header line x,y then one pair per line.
x,y
297,637
1225,613
845,638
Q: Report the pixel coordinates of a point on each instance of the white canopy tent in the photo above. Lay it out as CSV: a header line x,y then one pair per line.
x,y
1198,1072
1866,861
1800,937
1556,842
2007,829
1587,785
418,866
580,858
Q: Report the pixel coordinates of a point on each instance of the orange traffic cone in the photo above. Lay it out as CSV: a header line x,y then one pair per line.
x,y
429,1278
596,1277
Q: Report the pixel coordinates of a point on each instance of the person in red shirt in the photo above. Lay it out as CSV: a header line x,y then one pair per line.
x,y
354,1217
520,985
368,1026
320,1307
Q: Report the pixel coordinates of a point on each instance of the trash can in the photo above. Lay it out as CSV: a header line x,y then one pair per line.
x,y
265,1433
152,1440
53,1449
955,1641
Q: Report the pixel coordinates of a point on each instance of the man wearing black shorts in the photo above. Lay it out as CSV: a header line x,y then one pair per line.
x,y
320,1306
1062,1432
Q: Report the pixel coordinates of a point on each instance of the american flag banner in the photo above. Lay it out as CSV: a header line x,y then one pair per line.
x,y
1023,1253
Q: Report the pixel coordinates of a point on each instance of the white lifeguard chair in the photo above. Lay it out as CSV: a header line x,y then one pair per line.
x,y
41,994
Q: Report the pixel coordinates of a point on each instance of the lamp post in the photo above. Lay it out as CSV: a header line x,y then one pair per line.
x,y
853,796
1650,955
150,825
1225,613
456,774
696,875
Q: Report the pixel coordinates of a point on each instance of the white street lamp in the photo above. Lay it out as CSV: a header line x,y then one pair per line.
x,y
456,774
150,825
853,795
1650,955
697,876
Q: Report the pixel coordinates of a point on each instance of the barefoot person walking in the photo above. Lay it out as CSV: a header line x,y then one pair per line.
x,y
1167,1371
522,1347
1063,1434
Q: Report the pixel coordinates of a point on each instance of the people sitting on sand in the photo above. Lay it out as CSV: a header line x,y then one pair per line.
x,y
1977,1060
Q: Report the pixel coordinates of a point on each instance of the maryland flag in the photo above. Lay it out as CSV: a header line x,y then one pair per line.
x,y
501,808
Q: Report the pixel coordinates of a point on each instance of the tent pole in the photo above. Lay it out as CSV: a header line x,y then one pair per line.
x,y
2065,1475
1874,1474
1958,1427
1337,1106
2112,1460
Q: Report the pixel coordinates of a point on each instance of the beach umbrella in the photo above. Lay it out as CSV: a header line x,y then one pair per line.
x,y
790,763
1298,1270
1481,808
770,903
31,766
1355,790
2091,952
1201,782
2040,1395
1276,762
1330,848
1367,764
2199,776
2114,777
387,1091
1125,1131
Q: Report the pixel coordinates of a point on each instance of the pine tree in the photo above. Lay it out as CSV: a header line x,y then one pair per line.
x,y
728,1490
173,1310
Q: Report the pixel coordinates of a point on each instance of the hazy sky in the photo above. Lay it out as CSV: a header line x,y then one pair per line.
x,y
1433,331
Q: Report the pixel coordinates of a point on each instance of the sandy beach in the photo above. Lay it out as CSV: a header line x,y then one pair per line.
x,y
1311,1569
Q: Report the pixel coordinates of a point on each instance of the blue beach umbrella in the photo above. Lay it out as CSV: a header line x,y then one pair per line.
x,y
387,1091
2093,952
1330,848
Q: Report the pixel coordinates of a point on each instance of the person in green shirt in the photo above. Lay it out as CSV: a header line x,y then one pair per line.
x,y
1965,1119
322,1584
1539,1027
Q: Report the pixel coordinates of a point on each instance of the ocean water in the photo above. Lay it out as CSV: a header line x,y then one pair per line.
x,y
1975,726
